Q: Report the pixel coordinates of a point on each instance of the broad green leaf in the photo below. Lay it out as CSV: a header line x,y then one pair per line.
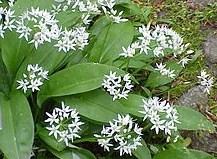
x,y
100,23
76,58
139,61
87,106
14,50
68,18
76,153
1,94
155,79
75,79
100,102
201,155
50,140
47,56
193,120
94,105
182,153
136,11
142,152
133,104
110,41
22,5
17,133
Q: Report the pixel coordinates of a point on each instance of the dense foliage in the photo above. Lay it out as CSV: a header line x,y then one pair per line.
x,y
84,79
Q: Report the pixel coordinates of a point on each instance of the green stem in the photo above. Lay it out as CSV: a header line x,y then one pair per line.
x,y
127,66
147,126
35,108
91,139
63,61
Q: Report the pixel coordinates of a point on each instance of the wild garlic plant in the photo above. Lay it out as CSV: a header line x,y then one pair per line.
x,y
84,79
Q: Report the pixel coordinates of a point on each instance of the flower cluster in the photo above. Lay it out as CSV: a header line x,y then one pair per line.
x,y
123,134
117,86
73,39
159,42
205,81
159,39
108,9
87,8
46,29
33,79
165,71
44,26
161,114
64,124
40,26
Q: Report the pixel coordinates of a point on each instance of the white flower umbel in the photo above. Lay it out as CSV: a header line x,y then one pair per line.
x,y
45,28
161,114
163,38
165,71
117,86
123,134
168,38
73,39
206,81
37,25
33,79
64,124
